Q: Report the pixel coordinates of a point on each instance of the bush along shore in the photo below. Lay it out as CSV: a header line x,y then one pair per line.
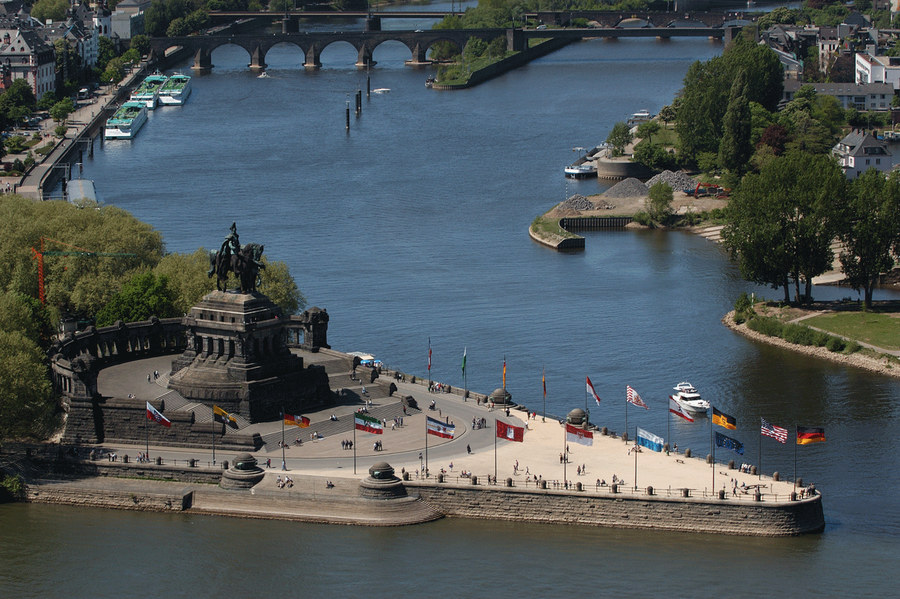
x,y
767,323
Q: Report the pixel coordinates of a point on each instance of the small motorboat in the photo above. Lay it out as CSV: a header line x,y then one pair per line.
x,y
381,90
689,399
429,82
263,75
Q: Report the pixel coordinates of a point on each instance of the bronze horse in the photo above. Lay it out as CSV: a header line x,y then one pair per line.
x,y
245,264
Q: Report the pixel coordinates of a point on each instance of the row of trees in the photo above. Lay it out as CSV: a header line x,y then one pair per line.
x,y
782,221
105,289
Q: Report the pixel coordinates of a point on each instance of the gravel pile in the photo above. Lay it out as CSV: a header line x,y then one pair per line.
x,y
676,180
628,188
577,202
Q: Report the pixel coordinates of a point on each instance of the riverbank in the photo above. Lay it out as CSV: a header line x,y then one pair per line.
x,y
878,361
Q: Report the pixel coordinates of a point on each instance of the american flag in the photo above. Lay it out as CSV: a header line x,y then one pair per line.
x,y
776,432
632,397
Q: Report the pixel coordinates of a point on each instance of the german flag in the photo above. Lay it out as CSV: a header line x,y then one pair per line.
x,y
220,415
724,420
301,421
810,434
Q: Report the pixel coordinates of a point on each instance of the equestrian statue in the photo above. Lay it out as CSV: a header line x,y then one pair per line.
x,y
242,260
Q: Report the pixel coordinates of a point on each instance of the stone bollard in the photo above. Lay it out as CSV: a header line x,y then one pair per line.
x,y
793,496
685,492
604,431
158,461
224,464
800,482
406,476
649,490
757,496
192,462
687,452
721,493
625,437
543,484
709,458
776,476
509,482
614,488
578,486
474,479
731,464
440,478
666,448
753,470
125,459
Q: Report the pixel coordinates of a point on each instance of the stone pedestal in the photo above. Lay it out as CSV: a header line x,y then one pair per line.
x,y
381,483
237,358
243,474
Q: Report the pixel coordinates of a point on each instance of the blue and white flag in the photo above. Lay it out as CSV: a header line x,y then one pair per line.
x,y
729,443
649,440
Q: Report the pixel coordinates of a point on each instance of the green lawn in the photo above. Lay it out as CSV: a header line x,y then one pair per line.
x,y
881,329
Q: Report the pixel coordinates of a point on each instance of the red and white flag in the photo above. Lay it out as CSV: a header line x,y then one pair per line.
x,y
579,435
510,432
676,409
632,397
154,414
776,432
590,389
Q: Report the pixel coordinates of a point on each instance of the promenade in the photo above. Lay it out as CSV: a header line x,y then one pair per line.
x,y
471,451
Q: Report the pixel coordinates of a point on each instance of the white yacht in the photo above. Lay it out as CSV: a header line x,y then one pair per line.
x,y
689,399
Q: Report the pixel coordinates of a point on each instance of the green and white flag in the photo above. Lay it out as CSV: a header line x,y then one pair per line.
x,y
464,360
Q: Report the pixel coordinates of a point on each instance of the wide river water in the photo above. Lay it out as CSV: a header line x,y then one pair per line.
x,y
413,225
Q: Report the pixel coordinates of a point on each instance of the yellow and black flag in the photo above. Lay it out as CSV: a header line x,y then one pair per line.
x,y
724,420
220,415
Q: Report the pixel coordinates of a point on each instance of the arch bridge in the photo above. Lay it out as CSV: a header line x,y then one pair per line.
x,y
313,43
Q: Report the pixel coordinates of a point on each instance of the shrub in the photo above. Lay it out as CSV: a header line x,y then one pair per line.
x,y
835,344
821,339
12,487
799,334
852,347
643,218
766,326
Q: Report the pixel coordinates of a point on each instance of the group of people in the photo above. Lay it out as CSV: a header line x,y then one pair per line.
x,y
152,376
376,446
346,444
478,423
439,387
287,481
746,468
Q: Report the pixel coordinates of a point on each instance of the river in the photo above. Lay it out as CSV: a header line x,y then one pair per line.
x,y
412,226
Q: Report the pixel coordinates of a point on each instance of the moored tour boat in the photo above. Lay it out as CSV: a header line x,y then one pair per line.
x,y
175,90
581,171
126,121
148,91
689,399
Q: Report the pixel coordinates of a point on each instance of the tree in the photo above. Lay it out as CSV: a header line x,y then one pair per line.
x,y
61,110
648,130
26,315
143,296
780,222
659,202
618,138
187,277
141,44
106,51
734,148
667,113
18,101
870,230
27,407
279,286
54,10
114,72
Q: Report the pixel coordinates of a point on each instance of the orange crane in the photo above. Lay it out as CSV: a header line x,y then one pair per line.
x,y
76,251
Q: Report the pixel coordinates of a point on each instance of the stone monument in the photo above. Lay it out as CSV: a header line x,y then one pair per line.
x,y
237,355
243,474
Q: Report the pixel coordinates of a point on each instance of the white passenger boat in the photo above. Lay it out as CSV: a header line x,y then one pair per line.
x,y
581,171
175,90
148,91
689,399
127,121
641,116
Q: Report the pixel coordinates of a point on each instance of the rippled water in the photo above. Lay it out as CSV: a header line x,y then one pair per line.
x,y
414,225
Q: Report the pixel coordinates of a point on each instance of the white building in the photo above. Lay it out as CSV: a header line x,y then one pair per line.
x,y
868,96
878,69
859,151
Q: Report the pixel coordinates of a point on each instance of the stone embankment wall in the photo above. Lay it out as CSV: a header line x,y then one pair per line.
x,y
646,512
122,500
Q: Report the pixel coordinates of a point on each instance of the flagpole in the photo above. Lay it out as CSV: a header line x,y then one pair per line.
x,y
796,433
426,436
668,434
429,363
635,457
214,439
495,451
565,459
465,376
759,458
147,426
283,463
626,414
354,443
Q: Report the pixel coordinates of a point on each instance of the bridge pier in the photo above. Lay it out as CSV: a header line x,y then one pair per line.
x,y
290,24
373,23
515,40
364,58
202,61
312,58
257,59
418,56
